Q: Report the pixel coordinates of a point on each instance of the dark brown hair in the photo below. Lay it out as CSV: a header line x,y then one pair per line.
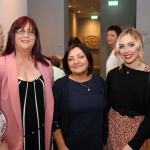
x,y
87,53
55,61
115,28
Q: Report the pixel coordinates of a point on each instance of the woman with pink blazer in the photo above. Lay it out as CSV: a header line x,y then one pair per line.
x,y
26,80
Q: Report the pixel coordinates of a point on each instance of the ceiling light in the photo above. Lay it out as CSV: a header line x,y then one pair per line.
x,y
94,17
78,11
112,3
69,5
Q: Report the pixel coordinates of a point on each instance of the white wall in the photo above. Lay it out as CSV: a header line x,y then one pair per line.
x,y
90,27
10,10
51,17
143,24
122,15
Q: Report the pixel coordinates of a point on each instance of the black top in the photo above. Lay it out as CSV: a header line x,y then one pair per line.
x,y
33,112
65,98
86,115
130,91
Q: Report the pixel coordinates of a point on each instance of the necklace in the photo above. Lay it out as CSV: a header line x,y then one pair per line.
x,y
128,71
88,87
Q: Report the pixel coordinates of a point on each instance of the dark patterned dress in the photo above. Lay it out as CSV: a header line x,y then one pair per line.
x,y
33,113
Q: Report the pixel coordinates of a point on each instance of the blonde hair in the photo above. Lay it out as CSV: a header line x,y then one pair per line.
x,y
138,41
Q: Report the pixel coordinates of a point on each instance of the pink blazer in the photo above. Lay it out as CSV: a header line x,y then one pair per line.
x,y
10,101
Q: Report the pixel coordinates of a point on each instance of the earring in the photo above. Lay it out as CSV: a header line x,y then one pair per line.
x,y
89,66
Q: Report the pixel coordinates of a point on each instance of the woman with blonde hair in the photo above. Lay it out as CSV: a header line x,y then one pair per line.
x,y
129,114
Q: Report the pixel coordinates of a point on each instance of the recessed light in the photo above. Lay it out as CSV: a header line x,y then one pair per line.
x,y
69,5
78,11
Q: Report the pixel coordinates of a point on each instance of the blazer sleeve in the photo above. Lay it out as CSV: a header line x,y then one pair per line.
x,y
1,74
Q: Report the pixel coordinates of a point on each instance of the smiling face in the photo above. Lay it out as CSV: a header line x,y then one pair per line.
x,y
128,50
24,41
112,38
2,36
77,62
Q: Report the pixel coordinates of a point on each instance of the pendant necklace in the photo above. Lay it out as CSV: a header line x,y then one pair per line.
x,y
88,87
128,71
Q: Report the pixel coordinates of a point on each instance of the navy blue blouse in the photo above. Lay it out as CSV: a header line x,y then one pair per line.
x,y
86,115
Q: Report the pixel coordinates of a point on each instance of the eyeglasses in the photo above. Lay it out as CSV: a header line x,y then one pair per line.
x,y
22,32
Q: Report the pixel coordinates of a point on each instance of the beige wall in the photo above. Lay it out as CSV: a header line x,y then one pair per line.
x,y
90,27
72,24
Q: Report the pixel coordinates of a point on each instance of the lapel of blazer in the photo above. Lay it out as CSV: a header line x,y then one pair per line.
x,y
41,68
13,87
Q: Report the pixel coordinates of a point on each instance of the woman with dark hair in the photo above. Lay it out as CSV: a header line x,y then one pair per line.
x,y
80,104
73,40
112,36
26,88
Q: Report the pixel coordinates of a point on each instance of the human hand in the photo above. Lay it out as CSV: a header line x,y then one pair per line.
x,y
127,147
4,146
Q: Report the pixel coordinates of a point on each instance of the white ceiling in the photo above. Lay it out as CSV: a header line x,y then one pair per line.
x,y
86,7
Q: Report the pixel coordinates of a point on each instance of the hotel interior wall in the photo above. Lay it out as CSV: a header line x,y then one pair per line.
x,y
51,17
73,22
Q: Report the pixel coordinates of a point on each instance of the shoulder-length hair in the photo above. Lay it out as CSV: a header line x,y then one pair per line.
x,y
87,53
36,50
136,36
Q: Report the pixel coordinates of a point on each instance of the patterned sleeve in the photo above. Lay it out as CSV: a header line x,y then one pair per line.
x,y
147,68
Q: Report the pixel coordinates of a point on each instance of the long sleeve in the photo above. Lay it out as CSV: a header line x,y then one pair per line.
x,y
142,134
57,107
144,129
